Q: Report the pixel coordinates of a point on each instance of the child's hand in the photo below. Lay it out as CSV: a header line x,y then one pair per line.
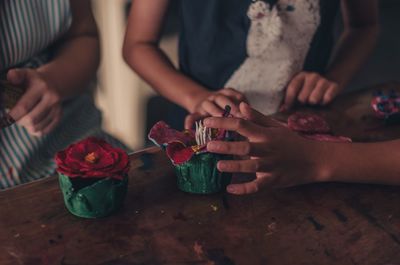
x,y
39,109
310,88
278,156
214,105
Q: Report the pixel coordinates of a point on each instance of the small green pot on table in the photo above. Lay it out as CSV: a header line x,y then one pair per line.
x,y
93,198
200,175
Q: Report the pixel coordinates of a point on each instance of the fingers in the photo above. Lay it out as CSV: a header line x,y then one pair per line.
x,y
25,105
215,104
316,96
230,92
45,125
248,187
29,100
243,148
310,88
222,101
244,188
17,76
40,107
245,128
212,108
39,112
310,83
39,119
292,91
191,119
54,122
38,127
258,118
244,166
330,94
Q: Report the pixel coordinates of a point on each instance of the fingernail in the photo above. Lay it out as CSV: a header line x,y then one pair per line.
x,y
207,122
220,165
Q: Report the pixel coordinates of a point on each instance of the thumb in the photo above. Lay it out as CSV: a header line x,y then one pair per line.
x,y
16,76
256,117
191,119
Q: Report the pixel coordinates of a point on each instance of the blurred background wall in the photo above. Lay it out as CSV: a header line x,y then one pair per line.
x,y
123,96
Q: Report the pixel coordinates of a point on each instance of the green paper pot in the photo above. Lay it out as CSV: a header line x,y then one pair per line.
x,y
201,176
91,198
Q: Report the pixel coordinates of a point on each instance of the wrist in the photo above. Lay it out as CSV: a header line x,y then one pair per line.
x,y
326,161
335,161
194,98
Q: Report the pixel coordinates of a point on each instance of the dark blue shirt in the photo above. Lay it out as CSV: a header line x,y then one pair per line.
x,y
213,39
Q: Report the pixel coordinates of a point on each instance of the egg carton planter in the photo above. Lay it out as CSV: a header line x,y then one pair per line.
x,y
195,167
93,178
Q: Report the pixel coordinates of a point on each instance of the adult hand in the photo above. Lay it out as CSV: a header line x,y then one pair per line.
x,y
39,109
214,105
278,156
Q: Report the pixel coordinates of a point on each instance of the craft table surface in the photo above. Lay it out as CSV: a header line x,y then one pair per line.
x,y
312,224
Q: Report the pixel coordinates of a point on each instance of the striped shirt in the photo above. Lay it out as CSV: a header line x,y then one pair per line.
x,y
27,29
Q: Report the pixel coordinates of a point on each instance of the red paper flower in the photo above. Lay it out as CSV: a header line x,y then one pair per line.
x,y
180,146
93,158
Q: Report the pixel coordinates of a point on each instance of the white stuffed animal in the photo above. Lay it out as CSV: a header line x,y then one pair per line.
x,y
277,44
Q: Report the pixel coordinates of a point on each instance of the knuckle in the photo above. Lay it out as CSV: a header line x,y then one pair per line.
x,y
246,149
226,166
226,148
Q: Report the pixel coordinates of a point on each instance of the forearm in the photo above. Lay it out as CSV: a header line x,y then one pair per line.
x,y
364,162
74,65
354,47
150,62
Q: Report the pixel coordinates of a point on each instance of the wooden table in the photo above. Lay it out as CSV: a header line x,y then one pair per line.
x,y
312,224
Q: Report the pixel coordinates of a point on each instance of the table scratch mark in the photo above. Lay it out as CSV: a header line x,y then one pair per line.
x,y
16,256
340,216
317,226
363,210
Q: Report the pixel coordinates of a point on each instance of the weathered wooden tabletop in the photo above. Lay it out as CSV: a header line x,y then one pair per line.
x,y
312,224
